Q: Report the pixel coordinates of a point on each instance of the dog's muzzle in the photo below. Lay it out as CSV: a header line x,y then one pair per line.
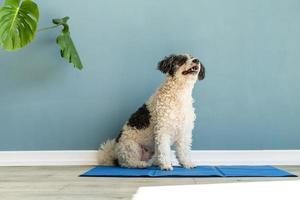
x,y
192,70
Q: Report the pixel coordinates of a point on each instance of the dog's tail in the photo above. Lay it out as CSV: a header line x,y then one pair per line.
x,y
107,154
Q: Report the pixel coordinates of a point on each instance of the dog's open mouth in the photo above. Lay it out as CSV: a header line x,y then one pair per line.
x,y
192,70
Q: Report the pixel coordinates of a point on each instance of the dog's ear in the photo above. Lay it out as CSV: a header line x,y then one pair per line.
x,y
166,65
169,63
201,74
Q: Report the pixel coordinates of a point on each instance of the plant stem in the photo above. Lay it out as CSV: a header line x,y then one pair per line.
x,y
47,28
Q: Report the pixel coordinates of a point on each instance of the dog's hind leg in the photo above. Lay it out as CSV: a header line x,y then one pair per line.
x,y
130,154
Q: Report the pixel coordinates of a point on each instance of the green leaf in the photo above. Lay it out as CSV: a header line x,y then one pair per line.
x,y
64,40
18,23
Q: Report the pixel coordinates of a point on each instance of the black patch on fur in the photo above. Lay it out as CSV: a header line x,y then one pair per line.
x,y
141,118
201,74
169,63
119,136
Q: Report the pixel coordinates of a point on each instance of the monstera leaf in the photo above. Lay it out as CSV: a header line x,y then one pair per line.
x,y
18,23
64,40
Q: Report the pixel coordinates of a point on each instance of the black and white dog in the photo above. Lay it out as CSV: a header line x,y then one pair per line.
x,y
167,118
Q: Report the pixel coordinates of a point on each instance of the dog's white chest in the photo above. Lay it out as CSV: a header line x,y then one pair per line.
x,y
186,107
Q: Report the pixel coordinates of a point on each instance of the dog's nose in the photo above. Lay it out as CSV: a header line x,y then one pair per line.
x,y
196,61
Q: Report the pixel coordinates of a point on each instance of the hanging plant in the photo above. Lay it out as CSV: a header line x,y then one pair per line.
x,y
18,27
68,50
18,23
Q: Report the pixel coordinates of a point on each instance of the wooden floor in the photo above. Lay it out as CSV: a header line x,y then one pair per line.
x,y
60,183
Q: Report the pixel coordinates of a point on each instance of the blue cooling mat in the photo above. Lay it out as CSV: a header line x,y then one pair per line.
x,y
200,171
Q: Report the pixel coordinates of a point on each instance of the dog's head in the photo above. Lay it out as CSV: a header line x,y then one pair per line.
x,y
182,66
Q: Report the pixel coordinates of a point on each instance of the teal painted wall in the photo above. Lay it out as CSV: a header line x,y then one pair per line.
x,y
250,98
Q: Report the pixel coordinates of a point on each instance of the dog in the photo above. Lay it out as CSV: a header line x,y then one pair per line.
x,y
167,118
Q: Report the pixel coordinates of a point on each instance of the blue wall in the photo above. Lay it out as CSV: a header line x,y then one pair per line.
x,y
250,98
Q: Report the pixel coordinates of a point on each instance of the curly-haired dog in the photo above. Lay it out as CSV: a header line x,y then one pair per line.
x,y
167,118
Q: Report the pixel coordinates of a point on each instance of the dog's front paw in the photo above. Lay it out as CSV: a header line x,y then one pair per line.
x,y
188,165
167,167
